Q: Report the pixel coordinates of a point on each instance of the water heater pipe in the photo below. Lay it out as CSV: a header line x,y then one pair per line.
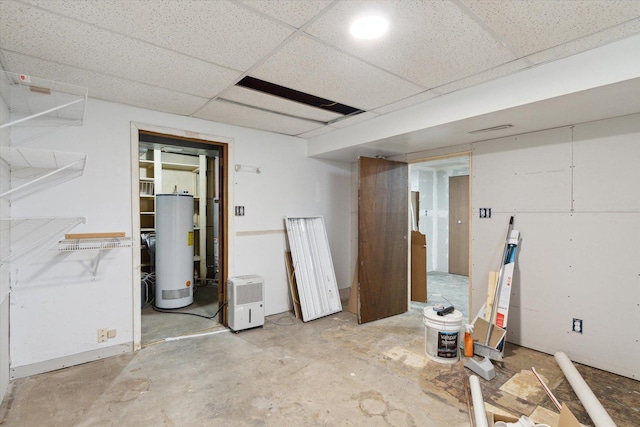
x,y
594,408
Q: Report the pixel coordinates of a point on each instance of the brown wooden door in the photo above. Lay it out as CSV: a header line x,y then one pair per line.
x,y
383,203
459,225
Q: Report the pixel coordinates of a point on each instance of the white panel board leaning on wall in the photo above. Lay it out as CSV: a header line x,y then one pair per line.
x,y
313,267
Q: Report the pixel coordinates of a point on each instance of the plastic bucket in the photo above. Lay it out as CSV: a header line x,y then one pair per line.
x,y
441,335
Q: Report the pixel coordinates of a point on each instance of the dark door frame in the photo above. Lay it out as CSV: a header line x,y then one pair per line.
x,y
222,145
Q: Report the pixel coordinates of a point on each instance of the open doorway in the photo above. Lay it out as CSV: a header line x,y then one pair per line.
x,y
440,212
193,170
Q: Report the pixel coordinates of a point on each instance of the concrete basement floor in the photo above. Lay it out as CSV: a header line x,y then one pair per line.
x,y
327,372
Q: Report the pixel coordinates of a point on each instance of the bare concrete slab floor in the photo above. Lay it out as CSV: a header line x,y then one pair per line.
x,y
327,372
160,325
449,288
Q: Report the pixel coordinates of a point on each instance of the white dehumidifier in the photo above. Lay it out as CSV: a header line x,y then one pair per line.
x,y
246,302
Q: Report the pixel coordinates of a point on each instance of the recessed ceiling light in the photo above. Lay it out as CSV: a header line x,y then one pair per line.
x,y
369,27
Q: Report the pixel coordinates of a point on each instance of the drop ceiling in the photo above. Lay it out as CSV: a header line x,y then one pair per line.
x,y
185,57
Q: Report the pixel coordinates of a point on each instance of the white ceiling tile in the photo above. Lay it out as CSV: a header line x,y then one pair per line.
x,y
429,42
275,103
588,42
309,66
293,12
106,87
215,31
485,76
357,118
316,132
407,102
69,42
227,112
534,25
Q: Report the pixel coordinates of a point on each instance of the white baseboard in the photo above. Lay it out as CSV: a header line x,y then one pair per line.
x,y
66,361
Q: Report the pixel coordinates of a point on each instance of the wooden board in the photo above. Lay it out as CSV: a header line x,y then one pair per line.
x,y
459,225
418,267
111,235
352,306
492,282
383,212
292,284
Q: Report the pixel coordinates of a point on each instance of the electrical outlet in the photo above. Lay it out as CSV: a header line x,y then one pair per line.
x,y
103,334
239,210
577,325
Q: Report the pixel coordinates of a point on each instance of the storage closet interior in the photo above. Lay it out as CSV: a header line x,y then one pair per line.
x,y
179,232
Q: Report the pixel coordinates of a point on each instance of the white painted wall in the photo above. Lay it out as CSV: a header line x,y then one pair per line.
x,y
433,185
289,184
574,194
56,307
5,212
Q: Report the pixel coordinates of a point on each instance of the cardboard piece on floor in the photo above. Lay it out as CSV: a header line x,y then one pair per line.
x,y
418,267
480,333
492,283
352,306
292,284
493,418
567,419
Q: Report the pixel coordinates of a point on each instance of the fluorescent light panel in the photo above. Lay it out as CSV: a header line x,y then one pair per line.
x,y
315,277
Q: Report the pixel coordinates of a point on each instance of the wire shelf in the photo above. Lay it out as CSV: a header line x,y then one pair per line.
x,y
34,170
30,235
70,245
33,101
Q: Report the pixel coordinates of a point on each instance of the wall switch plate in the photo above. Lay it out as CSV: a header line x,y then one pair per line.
x,y
103,335
239,210
577,325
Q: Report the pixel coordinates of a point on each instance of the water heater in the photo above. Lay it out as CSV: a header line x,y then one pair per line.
x,y
174,250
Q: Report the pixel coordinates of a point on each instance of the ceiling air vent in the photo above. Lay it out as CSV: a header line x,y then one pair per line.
x,y
491,129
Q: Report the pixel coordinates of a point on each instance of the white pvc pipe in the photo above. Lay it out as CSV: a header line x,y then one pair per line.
x,y
479,413
204,334
594,408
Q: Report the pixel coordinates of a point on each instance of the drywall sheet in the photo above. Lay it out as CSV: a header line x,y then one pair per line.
x,y
315,277
580,266
542,272
526,173
580,263
604,291
606,175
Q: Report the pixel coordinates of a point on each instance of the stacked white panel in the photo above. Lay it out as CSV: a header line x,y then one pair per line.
x,y
313,266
